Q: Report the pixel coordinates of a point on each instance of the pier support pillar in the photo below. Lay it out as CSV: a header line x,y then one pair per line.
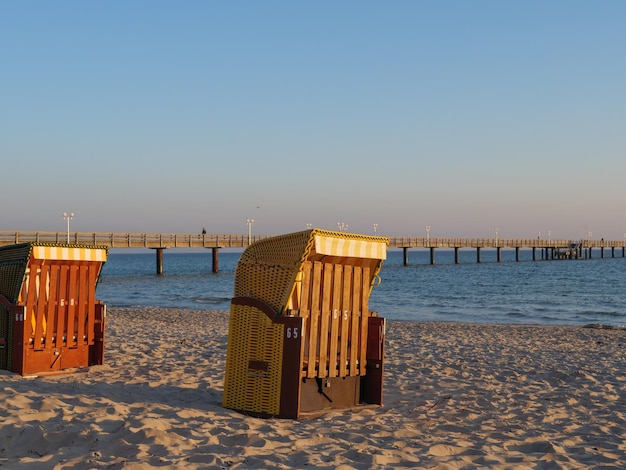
x,y
612,252
534,253
432,255
590,255
602,252
456,255
623,252
159,260
517,253
499,254
406,255
478,254
215,256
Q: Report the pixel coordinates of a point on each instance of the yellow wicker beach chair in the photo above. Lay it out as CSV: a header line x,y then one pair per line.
x,y
301,337
50,320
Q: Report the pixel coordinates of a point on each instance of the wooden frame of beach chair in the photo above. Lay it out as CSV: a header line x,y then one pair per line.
x,y
302,340
50,320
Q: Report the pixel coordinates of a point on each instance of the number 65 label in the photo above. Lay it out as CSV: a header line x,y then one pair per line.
x,y
293,332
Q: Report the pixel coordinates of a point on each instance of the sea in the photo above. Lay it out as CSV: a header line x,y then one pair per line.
x,y
544,292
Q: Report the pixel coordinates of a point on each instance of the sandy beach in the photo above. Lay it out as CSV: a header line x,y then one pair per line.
x,y
457,396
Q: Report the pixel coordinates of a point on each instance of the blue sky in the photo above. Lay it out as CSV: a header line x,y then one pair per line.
x,y
170,116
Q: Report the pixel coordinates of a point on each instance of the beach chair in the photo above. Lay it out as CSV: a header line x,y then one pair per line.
x,y
302,340
50,320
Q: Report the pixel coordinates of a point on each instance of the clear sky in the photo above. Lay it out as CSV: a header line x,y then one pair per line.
x,y
169,116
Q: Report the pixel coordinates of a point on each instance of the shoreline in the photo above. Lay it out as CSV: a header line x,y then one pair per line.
x,y
456,395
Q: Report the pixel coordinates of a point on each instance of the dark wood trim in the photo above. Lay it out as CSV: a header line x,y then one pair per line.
x,y
292,360
259,304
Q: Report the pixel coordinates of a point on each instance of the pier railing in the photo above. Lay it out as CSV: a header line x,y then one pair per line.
x,y
131,239
187,240
442,242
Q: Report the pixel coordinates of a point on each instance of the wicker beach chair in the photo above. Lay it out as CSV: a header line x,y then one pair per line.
x,y
302,339
50,320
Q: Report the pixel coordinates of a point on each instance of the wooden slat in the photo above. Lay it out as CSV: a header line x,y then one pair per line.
x,y
346,309
52,306
81,303
62,308
325,319
305,313
305,297
72,307
41,307
365,314
316,284
31,304
335,320
91,301
356,317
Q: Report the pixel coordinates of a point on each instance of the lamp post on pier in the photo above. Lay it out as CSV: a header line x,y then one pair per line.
x,y
375,227
496,230
68,217
428,234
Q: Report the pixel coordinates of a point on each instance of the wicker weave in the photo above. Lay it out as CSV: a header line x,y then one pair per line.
x,y
253,335
13,262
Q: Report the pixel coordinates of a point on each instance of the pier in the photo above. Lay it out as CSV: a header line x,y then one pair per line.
x,y
545,249
549,249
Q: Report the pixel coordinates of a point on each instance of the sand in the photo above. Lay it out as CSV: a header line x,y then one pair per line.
x,y
457,396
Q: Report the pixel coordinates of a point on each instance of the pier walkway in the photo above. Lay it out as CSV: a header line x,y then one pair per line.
x,y
548,248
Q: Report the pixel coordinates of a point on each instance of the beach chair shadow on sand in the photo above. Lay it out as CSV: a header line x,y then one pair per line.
x,y
50,320
302,340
